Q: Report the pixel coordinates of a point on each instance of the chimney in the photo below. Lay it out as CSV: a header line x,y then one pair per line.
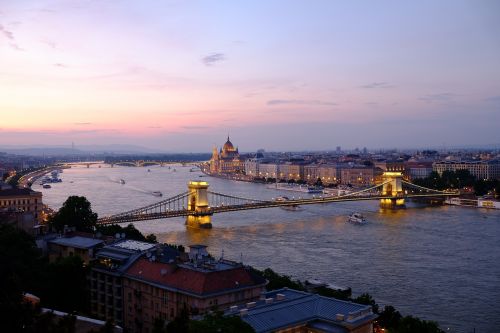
x,y
243,312
340,317
233,308
280,297
251,304
269,300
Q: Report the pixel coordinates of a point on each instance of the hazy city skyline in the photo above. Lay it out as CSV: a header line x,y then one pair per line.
x,y
281,75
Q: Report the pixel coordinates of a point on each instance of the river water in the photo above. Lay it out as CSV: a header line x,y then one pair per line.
x,y
437,263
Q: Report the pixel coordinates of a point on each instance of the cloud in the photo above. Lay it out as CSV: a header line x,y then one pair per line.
x,y
438,98
154,127
49,43
82,124
375,85
10,36
212,59
60,65
195,127
298,102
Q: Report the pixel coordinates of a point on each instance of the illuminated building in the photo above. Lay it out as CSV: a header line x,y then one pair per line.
x,y
487,170
22,200
226,160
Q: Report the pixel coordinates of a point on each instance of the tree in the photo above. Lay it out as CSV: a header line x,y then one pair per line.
x,y
277,281
218,323
130,232
368,300
67,288
75,212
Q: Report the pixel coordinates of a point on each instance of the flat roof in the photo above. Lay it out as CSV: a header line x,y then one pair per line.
x,y
77,241
134,245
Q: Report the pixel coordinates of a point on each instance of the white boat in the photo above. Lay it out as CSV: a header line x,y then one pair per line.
x,y
284,199
356,218
157,193
296,188
122,181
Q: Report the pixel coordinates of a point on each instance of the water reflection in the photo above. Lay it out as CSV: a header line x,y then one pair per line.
x,y
434,262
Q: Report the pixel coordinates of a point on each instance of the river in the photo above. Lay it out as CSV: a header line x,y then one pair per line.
x,y
438,263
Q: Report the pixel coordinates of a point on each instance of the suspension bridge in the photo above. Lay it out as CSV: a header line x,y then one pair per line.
x,y
198,203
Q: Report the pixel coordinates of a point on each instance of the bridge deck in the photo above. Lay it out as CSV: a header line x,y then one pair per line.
x,y
145,215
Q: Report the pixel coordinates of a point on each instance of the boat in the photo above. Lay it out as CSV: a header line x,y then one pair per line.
x,y
122,181
296,188
46,186
149,170
157,193
357,218
284,199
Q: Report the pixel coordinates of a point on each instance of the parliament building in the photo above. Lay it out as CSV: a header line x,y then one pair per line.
x,y
226,160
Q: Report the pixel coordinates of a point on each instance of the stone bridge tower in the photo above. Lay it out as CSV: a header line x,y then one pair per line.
x,y
392,188
198,208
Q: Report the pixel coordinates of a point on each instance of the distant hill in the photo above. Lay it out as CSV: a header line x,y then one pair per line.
x,y
80,150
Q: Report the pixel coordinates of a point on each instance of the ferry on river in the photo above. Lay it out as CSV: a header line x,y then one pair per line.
x,y
356,218
157,193
479,203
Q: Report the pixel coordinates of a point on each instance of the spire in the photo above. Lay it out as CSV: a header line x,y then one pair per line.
x,y
227,136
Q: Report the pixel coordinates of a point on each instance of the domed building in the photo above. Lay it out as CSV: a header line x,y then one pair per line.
x,y
226,160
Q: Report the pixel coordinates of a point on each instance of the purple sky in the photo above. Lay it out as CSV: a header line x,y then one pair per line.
x,y
279,75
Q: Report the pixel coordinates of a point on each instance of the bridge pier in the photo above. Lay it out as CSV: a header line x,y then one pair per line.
x,y
393,188
199,215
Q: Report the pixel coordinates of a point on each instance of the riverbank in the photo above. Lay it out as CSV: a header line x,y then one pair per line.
x,y
28,179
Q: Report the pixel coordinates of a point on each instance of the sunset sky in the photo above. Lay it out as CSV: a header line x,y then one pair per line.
x,y
278,75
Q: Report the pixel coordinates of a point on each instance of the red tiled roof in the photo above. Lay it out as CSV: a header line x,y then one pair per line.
x,y
189,280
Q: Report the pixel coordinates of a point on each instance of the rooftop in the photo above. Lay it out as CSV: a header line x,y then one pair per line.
x,y
287,307
77,242
18,192
181,277
134,245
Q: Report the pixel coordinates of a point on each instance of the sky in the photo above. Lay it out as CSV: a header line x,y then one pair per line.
x,y
280,75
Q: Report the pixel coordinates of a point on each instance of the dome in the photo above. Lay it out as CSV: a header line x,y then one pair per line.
x,y
228,146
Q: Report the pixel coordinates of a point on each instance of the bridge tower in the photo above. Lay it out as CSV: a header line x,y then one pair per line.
x,y
393,188
199,214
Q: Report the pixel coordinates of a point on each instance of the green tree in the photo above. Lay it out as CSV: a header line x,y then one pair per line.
x,y
180,324
319,182
218,323
389,318
335,293
368,300
20,262
67,290
75,212
278,281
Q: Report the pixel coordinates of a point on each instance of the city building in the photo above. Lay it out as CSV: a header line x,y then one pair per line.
x,y
329,174
252,167
22,200
360,175
226,160
158,289
290,171
486,170
291,311
268,170
418,170
84,247
105,278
